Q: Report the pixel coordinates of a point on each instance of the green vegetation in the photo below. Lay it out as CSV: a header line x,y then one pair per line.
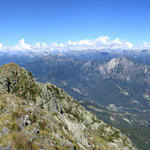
x,y
42,125
17,113
138,134
33,117
55,89
14,127
21,142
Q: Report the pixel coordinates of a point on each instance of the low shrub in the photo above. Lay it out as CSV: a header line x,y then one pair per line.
x,y
20,141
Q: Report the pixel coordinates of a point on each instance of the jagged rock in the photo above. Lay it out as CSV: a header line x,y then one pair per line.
x,y
8,147
25,120
5,130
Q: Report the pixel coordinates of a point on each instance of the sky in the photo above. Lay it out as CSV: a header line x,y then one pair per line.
x,y
72,22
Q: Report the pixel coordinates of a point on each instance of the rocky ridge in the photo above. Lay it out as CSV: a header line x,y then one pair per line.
x,y
125,69
41,116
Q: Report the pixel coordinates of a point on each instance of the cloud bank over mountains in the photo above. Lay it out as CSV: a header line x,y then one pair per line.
x,y
101,43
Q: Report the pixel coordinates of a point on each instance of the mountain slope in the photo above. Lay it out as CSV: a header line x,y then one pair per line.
x,y
42,116
120,84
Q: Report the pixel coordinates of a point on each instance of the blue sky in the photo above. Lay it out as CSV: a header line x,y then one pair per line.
x,y
62,20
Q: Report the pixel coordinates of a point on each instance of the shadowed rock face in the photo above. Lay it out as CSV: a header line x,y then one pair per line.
x,y
42,116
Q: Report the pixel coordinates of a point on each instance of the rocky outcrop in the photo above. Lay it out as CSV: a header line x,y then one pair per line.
x,y
124,69
41,116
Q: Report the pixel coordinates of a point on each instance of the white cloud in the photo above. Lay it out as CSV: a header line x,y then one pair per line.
x,y
1,45
101,43
145,45
102,39
23,46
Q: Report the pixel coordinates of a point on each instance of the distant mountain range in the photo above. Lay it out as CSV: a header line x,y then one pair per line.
x,y
89,54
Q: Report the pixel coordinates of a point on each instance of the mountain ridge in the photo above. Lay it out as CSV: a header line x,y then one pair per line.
x,y
42,116
124,89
